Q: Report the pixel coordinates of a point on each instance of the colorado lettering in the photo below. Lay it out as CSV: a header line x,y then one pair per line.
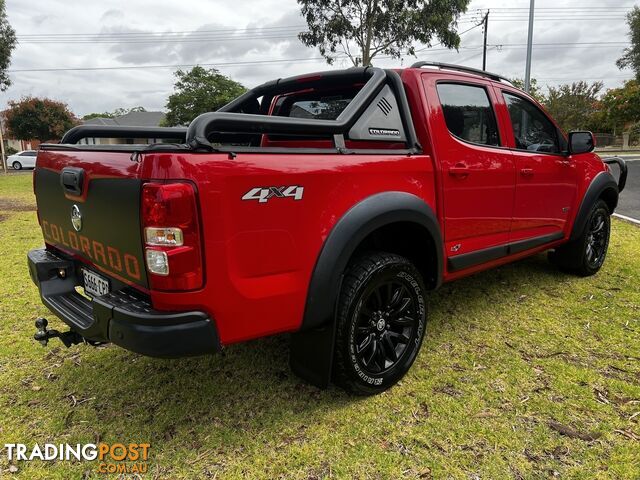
x,y
104,255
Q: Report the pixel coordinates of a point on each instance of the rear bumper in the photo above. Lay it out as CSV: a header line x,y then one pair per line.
x,y
123,317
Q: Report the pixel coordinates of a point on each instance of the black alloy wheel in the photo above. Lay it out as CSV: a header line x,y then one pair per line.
x,y
381,322
386,323
586,254
597,239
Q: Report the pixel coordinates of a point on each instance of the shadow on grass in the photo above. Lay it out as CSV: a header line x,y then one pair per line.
x,y
500,286
249,388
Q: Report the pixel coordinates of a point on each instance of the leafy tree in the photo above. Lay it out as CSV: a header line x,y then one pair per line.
x,y
38,118
599,121
622,105
116,113
574,105
534,90
363,29
634,130
631,56
8,151
199,91
7,44
89,116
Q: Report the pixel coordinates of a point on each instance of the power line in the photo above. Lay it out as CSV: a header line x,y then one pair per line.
x,y
167,32
569,79
554,19
212,37
440,43
280,32
284,60
526,9
184,65
163,40
500,13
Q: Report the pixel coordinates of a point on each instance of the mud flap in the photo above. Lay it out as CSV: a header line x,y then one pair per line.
x,y
311,354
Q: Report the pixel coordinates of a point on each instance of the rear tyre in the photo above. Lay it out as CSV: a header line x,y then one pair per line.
x,y
585,255
380,323
16,165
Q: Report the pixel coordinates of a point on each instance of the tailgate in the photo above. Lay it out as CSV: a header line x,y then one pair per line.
x,y
89,207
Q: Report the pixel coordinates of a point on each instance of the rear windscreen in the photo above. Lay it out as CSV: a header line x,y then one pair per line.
x,y
318,105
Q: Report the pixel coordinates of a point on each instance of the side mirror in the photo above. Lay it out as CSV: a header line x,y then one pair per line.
x,y
581,142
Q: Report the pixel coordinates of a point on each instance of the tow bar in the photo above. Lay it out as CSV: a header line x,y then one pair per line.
x,y
43,335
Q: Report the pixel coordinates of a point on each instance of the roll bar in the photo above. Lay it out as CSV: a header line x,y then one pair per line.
x,y
239,115
228,120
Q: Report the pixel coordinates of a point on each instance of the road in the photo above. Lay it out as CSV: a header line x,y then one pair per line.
x,y
629,203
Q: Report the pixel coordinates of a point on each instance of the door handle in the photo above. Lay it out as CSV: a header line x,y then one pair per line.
x,y
526,172
72,179
459,170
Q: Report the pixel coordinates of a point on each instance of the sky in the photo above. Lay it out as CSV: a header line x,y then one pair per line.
x,y
75,50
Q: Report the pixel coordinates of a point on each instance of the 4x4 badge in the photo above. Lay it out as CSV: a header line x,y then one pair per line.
x,y
263,194
76,218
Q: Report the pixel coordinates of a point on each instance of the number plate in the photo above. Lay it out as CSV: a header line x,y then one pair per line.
x,y
94,284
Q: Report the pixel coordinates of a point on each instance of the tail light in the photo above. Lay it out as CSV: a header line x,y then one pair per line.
x,y
171,230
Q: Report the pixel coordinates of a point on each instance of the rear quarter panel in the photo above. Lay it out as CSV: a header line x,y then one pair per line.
x,y
260,256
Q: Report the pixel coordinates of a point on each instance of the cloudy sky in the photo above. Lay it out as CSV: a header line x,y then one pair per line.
x,y
98,56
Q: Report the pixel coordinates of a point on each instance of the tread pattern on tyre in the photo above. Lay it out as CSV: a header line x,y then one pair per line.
x,y
356,275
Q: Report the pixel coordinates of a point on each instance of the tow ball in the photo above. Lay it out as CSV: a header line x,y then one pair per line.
x,y
43,335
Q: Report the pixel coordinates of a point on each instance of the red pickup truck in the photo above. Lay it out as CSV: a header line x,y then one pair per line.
x,y
326,205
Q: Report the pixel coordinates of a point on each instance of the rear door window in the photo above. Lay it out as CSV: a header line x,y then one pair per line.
x,y
468,113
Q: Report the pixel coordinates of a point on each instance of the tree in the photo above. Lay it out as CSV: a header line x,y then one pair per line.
x,y
199,91
622,105
631,55
574,106
118,112
534,90
7,44
363,29
38,118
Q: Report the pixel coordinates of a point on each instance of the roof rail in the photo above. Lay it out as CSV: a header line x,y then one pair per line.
x,y
462,68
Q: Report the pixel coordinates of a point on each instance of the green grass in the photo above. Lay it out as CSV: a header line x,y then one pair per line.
x,y
506,353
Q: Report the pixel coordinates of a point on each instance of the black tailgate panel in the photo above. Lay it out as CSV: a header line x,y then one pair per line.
x,y
110,235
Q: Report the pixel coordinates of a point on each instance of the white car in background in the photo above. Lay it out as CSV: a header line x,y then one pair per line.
x,y
24,159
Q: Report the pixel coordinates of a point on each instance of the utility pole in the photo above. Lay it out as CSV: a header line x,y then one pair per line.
x,y
484,49
4,161
527,74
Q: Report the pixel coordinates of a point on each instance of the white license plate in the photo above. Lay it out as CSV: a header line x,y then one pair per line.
x,y
94,284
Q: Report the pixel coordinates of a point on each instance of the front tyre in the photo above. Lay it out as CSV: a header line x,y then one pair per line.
x,y
380,323
585,255
16,165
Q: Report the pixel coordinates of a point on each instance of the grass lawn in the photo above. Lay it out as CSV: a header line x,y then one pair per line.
x,y
525,372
